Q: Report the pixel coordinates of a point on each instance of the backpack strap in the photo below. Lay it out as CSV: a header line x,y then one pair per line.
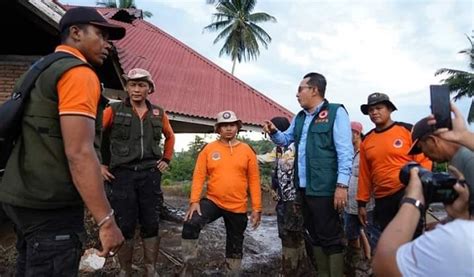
x,y
12,110
35,70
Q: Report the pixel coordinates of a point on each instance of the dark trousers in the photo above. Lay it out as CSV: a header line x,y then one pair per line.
x,y
49,242
323,223
290,224
136,195
235,224
386,208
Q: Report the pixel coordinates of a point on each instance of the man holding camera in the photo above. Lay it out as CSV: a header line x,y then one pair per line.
x,y
447,250
442,150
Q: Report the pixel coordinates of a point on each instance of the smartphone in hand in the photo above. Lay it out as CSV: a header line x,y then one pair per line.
x,y
440,106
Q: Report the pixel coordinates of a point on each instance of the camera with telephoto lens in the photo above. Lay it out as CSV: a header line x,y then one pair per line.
x,y
437,186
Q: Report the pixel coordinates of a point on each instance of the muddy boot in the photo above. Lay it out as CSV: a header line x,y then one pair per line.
x,y
170,215
189,253
322,261
150,253
291,259
233,267
166,213
336,265
125,256
354,257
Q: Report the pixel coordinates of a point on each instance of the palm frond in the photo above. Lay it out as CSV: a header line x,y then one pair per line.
x,y
461,85
221,17
223,34
261,17
248,5
228,8
217,2
239,30
450,71
107,3
217,25
262,35
126,4
147,14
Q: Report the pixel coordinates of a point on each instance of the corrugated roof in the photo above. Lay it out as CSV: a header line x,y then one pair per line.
x,y
186,82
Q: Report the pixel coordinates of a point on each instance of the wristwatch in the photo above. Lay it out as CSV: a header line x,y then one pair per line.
x,y
341,186
414,202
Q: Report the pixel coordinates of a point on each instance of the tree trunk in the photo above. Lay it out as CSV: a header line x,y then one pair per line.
x,y
233,67
470,116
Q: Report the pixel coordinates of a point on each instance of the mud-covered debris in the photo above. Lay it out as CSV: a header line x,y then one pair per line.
x,y
90,261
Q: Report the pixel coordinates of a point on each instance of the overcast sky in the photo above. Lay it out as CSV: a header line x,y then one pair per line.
x,y
361,47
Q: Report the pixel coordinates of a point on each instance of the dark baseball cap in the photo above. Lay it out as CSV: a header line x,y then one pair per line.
x,y
419,131
87,15
374,99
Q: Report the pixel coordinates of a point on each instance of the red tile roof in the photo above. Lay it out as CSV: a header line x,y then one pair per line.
x,y
187,83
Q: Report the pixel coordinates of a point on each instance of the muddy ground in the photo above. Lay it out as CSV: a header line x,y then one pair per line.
x,y
262,247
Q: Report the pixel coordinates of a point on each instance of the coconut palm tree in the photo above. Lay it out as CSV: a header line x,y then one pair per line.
x,y
239,29
122,4
461,82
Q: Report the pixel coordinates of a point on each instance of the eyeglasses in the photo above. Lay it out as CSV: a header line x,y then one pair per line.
x,y
301,88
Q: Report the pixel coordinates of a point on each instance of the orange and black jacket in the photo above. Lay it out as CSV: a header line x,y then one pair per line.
x,y
382,154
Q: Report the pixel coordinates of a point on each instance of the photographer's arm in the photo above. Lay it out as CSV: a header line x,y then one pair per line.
x,y
399,231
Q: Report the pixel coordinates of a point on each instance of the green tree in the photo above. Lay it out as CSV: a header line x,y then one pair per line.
x,y
461,82
122,4
196,146
261,147
238,27
182,164
181,167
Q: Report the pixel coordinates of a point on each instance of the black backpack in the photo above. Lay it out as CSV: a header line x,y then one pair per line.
x,y
11,112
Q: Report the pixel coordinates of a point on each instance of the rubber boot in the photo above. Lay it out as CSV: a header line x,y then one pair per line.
x,y
189,253
336,265
322,261
233,267
352,260
289,260
150,254
166,213
170,215
125,256
293,261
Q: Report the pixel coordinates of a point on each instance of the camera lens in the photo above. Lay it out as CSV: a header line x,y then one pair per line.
x,y
437,187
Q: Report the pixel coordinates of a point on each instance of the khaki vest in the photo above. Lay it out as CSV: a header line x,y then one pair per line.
x,y
135,143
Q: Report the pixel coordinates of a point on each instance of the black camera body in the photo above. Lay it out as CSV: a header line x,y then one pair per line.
x,y
437,187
